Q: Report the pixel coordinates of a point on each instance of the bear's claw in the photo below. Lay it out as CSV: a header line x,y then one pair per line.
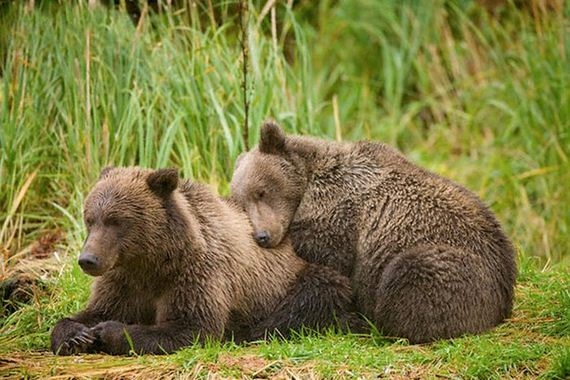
x,y
81,342
83,338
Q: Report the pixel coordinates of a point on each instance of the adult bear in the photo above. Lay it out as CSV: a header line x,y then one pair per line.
x,y
427,260
176,264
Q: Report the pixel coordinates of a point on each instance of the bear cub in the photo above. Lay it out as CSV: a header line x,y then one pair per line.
x,y
426,258
176,264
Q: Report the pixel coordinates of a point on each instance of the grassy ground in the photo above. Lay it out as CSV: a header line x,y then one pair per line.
x,y
483,99
534,343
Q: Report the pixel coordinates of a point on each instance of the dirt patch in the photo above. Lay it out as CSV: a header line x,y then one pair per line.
x,y
256,367
247,363
17,290
32,267
45,246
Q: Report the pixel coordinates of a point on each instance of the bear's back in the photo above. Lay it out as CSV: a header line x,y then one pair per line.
x,y
254,278
390,199
415,205
366,202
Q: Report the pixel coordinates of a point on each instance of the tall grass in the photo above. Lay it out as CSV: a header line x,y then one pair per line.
x,y
84,89
481,99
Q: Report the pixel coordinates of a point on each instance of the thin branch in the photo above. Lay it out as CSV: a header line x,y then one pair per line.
x,y
243,24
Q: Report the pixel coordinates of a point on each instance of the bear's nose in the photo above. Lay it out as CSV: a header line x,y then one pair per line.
x,y
88,262
262,238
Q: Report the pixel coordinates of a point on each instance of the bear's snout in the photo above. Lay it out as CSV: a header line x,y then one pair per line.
x,y
90,263
262,238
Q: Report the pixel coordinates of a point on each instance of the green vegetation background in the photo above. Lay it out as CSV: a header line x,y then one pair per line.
x,y
481,97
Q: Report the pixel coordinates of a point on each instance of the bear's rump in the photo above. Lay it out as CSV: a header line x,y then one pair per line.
x,y
433,292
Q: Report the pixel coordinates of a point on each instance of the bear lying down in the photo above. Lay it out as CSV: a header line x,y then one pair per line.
x,y
427,259
175,264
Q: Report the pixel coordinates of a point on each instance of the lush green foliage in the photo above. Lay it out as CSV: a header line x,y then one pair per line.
x,y
484,100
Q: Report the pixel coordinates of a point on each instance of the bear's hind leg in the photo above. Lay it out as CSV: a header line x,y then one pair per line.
x,y
320,298
429,293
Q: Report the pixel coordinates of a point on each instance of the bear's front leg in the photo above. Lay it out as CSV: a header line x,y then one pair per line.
x,y
69,337
111,337
117,338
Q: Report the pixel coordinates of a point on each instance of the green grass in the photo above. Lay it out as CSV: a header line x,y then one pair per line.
x,y
532,344
483,100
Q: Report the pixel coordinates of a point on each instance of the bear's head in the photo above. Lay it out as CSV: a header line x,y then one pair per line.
x,y
125,214
269,182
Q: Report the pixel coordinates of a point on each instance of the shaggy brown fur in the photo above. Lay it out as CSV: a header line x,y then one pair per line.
x,y
426,258
176,264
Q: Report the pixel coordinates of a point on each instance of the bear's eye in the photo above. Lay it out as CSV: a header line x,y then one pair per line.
x,y
112,221
260,194
89,221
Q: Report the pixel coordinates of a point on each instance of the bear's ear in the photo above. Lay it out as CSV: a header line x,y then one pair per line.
x,y
272,138
162,182
105,171
238,160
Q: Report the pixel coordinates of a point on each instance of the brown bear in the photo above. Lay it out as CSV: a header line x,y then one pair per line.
x,y
427,260
176,264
